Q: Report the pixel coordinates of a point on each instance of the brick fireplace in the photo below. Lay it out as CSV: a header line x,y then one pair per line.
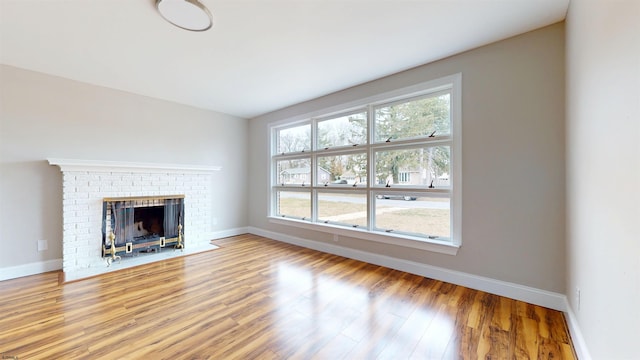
x,y
87,183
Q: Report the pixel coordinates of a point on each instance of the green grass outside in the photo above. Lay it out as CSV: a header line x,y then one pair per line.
x,y
421,221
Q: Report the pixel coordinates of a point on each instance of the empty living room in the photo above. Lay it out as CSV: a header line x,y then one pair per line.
x,y
348,179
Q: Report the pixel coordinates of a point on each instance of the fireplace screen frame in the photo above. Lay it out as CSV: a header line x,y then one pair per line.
x,y
118,219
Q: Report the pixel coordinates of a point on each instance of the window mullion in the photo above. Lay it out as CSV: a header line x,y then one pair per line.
x,y
314,205
370,169
314,161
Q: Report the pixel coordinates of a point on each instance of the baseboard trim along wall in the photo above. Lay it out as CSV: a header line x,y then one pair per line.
x,y
576,334
17,271
227,233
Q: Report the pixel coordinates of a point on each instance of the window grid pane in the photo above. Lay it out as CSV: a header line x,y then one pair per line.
x,y
294,204
419,167
294,171
409,165
429,116
348,130
342,208
348,169
294,139
420,216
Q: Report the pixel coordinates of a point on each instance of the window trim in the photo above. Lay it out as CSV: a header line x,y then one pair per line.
x,y
451,83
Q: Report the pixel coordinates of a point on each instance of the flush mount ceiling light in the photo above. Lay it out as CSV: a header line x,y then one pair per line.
x,y
185,14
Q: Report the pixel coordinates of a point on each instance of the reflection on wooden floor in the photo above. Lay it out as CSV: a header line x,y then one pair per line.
x,y
256,298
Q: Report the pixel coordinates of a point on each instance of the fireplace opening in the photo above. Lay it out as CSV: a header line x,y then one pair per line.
x,y
148,222
134,225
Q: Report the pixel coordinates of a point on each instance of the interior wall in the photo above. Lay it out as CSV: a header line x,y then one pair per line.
x,y
44,116
512,160
603,174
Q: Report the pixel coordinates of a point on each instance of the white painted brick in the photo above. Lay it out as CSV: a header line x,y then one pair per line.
x,y
74,207
76,195
82,236
82,178
85,225
70,240
68,237
68,263
68,251
101,174
82,207
159,183
87,251
80,232
82,201
82,188
68,229
78,216
83,262
69,187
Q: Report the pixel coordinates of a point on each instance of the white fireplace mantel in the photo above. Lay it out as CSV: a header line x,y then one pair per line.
x,y
119,166
85,185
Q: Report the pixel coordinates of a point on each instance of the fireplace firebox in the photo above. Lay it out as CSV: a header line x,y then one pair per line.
x,y
135,225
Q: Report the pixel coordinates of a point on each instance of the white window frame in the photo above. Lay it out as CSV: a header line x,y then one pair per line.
x,y
452,84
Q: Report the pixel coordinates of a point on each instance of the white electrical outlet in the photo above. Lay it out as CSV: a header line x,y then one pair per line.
x,y
43,245
578,298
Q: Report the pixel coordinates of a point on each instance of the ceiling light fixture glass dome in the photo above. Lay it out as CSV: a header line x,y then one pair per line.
x,y
186,14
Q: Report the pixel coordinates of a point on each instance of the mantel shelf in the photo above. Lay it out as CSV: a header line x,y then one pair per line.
x,y
119,166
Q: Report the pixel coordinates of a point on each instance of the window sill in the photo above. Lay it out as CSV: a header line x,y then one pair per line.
x,y
391,239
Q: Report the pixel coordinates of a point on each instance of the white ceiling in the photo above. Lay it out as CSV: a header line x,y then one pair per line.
x,y
260,55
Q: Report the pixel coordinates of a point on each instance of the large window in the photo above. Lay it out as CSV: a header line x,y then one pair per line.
x,y
385,169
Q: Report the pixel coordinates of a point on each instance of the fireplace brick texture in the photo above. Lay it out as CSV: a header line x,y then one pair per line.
x,y
83,193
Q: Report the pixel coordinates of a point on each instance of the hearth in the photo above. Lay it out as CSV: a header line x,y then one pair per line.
x,y
135,225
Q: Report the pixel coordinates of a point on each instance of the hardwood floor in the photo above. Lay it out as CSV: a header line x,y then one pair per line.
x,y
255,298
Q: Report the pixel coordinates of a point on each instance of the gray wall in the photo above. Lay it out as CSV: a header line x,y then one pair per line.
x,y
512,161
43,116
603,174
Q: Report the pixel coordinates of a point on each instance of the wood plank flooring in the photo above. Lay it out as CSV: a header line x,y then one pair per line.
x,y
255,298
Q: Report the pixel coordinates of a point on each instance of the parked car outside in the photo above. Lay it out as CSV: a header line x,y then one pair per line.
x,y
396,197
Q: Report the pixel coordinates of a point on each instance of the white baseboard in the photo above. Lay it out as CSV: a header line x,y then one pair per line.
x,y
576,334
13,272
227,233
528,294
